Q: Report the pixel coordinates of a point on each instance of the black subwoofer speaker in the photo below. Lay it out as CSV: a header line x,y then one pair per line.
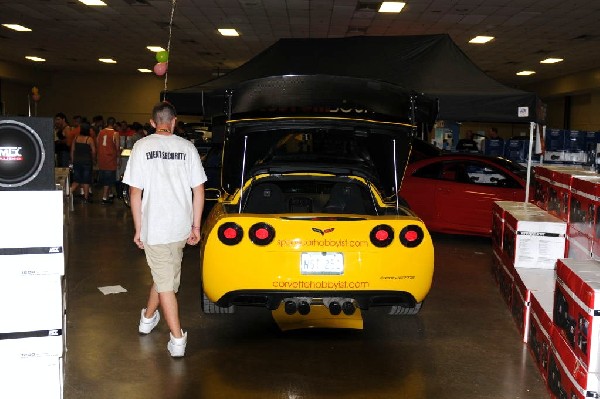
x,y
26,154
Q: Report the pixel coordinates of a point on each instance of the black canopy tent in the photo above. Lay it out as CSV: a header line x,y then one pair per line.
x,y
430,64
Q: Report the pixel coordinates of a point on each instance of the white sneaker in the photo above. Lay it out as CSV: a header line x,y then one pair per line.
x,y
147,325
176,346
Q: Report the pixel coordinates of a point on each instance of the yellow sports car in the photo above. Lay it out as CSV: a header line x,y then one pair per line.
x,y
308,213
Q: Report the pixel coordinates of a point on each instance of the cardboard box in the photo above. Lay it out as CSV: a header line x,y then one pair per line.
x,y
555,140
585,199
576,157
504,277
577,308
540,329
33,324
552,185
579,245
567,376
499,209
32,233
526,282
32,377
554,157
533,240
575,140
493,147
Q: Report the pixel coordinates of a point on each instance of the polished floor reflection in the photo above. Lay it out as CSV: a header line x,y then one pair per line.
x,y
463,344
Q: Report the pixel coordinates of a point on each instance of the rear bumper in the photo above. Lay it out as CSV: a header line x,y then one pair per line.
x,y
272,299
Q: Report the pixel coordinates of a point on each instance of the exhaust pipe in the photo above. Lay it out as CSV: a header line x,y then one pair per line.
x,y
348,308
290,307
304,308
335,308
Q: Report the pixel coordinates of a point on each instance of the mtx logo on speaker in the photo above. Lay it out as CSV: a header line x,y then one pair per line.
x,y
11,154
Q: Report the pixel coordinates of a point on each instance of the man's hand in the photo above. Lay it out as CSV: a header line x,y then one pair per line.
x,y
194,237
137,241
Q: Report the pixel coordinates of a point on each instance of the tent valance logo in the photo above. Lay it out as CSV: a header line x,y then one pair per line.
x,y
21,154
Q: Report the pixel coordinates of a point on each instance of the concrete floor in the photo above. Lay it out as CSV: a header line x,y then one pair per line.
x,y
463,344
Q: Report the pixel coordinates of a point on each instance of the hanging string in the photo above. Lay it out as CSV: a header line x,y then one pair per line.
x,y
174,3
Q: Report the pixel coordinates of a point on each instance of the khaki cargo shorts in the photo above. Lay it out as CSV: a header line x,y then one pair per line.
x,y
165,264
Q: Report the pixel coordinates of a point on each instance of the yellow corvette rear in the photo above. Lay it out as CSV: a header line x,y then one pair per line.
x,y
342,261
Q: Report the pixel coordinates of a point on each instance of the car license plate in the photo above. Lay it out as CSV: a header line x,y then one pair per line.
x,y
322,263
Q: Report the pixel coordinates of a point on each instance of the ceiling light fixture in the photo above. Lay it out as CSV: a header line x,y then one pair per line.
x,y
107,60
155,49
228,32
391,6
93,2
144,70
18,28
481,39
551,60
34,58
525,73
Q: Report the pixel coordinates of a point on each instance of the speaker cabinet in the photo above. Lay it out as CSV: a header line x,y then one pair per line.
x,y
26,154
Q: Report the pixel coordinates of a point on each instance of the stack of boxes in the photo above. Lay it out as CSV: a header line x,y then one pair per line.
x,y
554,293
570,146
32,291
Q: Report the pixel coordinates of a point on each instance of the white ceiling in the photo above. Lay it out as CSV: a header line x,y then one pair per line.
x,y
72,36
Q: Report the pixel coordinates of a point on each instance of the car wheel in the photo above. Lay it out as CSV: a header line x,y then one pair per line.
x,y
404,311
209,307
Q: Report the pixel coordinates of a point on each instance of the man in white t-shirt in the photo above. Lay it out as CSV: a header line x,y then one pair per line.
x,y
168,171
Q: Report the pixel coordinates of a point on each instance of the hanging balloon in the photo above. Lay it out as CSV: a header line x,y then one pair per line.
x,y
36,97
34,90
162,56
160,69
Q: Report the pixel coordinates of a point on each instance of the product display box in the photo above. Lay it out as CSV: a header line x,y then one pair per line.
x,y
552,185
540,329
555,140
499,209
576,311
575,157
33,324
526,282
32,377
517,150
585,199
533,240
567,376
504,277
575,140
579,245
31,237
493,147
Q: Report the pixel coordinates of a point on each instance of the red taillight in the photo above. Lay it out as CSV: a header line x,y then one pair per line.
x,y
411,236
230,233
382,235
261,233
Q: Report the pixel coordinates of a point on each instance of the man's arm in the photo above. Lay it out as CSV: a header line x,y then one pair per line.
x,y
135,197
198,207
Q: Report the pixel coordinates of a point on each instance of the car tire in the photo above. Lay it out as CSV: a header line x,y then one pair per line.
x,y
404,311
209,307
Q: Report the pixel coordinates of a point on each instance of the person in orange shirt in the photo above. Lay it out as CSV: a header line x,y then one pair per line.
x,y
107,145
74,131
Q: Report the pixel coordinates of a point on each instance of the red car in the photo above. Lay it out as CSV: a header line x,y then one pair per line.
x,y
454,193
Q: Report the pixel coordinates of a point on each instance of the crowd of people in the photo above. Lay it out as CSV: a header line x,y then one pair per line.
x,y
92,150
